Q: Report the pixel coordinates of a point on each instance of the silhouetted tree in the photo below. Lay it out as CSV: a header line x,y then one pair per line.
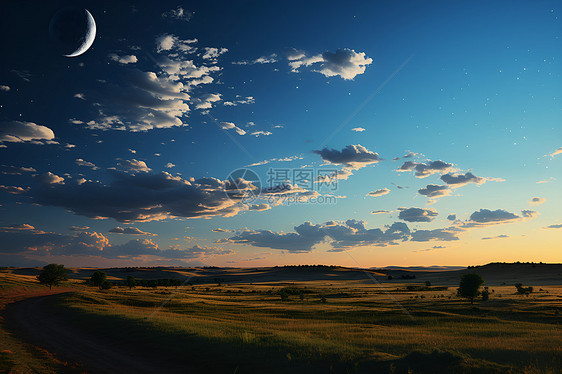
x,y
485,294
469,286
428,283
131,282
52,275
98,278
106,285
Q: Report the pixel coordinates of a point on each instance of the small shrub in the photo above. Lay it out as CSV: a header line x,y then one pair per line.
x,y
485,294
428,283
106,285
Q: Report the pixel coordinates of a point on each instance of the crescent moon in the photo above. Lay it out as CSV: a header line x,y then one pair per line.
x,y
88,39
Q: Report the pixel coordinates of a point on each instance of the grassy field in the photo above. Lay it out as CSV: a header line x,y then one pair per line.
x,y
345,326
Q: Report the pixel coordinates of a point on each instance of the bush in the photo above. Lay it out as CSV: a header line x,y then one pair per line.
x,y
428,283
485,294
106,285
523,290
130,282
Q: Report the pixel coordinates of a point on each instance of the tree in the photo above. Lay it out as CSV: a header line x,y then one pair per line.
x,y
98,278
52,275
131,282
469,286
106,285
485,294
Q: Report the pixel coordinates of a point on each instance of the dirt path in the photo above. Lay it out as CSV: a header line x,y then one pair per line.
x,y
36,321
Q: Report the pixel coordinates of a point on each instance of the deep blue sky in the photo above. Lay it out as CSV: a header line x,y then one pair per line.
x,y
475,85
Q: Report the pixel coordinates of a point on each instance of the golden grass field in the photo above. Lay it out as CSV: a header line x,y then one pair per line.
x,y
362,327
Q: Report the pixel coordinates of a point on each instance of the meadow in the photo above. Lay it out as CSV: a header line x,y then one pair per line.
x,y
314,326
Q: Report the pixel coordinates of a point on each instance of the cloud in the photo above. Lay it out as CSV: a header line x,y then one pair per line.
x,y
125,59
220,230
240,100
167,42
143,197
458,180
133,166
271,59
20,131
434,191
81,162
353,156
259,207
260,133
558,226
537,201
417,214
79,228
556,152
381,192
342,235
345,63
169,165
486,217
178,13
232,126
205,101
422,170
447,234
213,53
358,129
452,217
4,88
129,231
80,96
50,178
496,237
16,170
380,211
14,190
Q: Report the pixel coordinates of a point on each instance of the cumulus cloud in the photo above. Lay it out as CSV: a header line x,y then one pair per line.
x,y
143,197
353,156
125,59
537,201
169,165
486,217
81,162
341,235
259,207
434,191
4,88
50,178
213,53
446,234
232,126
458,180
422,170
345,63
381,192
16,170
20,131
14,190
240,100
452,217
129,231
417,214
205,101
358,129
133,166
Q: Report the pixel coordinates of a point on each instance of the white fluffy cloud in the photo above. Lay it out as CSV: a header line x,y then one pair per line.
x,y
345,63
232,126
125,59
50,178
20,131
353,156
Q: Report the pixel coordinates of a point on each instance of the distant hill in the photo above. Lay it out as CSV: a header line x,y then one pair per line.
x,y
422,268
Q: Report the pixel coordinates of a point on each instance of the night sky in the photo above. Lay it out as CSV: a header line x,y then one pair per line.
x,y
254,133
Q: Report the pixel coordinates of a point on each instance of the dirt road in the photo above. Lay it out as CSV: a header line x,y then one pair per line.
x,y
35,320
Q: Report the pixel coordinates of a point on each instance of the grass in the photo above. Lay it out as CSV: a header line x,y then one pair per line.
x,y
360,328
